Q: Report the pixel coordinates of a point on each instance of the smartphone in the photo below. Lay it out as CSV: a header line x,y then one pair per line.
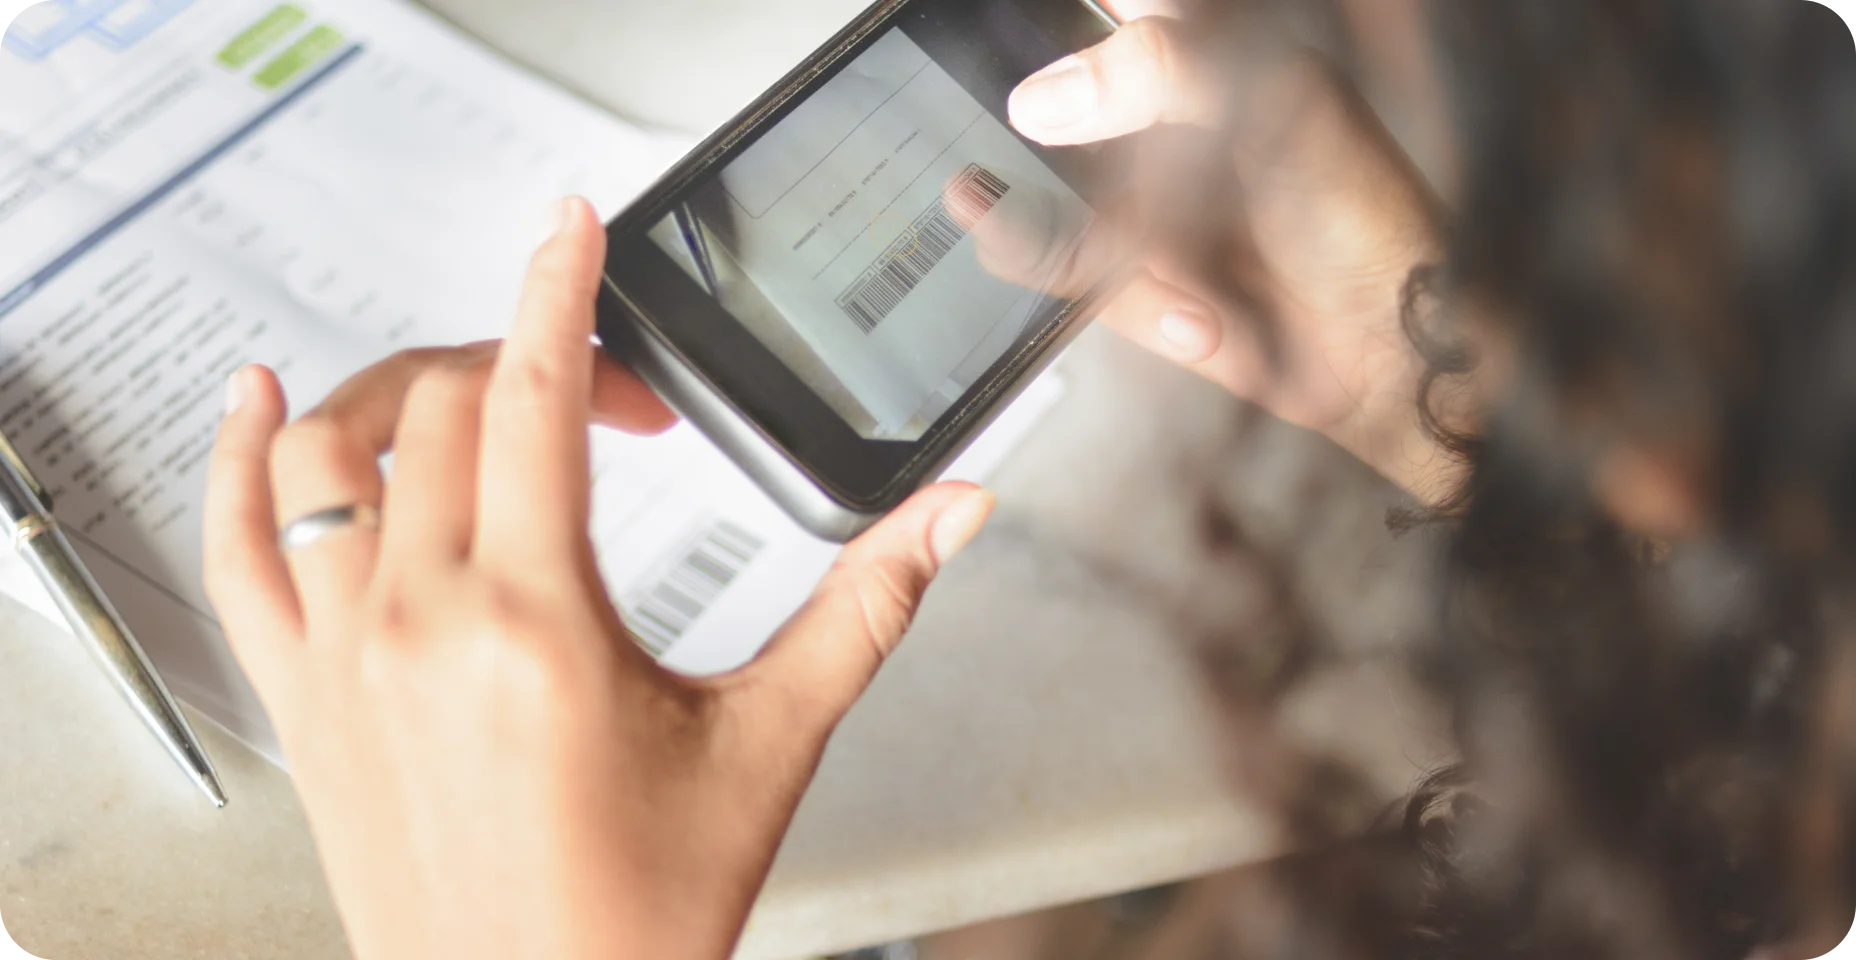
x,y
850,279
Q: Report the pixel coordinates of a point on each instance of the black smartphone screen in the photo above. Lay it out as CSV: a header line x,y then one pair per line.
x,y
880,234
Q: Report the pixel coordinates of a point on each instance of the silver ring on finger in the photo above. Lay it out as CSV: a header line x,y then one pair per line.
x,y
319,526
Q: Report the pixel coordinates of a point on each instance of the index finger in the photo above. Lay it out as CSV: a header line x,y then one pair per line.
x,y
534,476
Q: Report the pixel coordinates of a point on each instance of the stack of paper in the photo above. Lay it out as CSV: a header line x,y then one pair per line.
x,y
187,186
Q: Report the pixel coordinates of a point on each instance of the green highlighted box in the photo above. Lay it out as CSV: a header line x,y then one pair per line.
x,y
276,25
301,55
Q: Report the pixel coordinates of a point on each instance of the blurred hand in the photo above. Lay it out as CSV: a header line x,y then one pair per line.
x,y
1328,224
490,766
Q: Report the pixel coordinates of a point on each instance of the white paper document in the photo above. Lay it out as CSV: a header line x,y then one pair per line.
x,y
187,186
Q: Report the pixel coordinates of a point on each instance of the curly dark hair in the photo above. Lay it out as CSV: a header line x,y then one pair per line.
x,y
1659,215
1656,222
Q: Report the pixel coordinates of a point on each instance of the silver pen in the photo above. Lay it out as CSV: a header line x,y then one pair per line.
x,y
26,512
1100,10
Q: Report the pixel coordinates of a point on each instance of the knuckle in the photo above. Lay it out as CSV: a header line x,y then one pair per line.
x,y
887,590
531,661
538,675
423,637
383,665
503,614
1152,66
443,386
417,357
397,621
551,269
235,438
528,383
315,437
231,444
397,634
481,629
536,377
901,582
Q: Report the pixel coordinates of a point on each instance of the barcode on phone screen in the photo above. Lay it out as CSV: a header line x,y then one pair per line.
x,y
909,258
698,574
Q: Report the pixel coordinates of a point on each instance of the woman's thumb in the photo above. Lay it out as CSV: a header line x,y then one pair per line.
x,y
825,656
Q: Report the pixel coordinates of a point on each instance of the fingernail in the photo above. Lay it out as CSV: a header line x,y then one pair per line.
x,y
1187,334
567,213
235,390
1058,96
958,523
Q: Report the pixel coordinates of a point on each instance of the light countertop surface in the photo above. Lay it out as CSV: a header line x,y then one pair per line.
x,y
1046,734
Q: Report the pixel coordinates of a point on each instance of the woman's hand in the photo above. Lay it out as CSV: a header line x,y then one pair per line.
x,y
490,766
1328,225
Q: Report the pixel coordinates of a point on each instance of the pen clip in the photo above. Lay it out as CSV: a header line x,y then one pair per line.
x,y
18,463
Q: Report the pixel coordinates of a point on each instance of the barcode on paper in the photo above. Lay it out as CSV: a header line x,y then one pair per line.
x,y
909,258
696,576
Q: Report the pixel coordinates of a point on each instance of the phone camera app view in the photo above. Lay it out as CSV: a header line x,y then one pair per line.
x,y
865,240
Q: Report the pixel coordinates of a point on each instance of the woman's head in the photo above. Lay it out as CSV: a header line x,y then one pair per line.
x,y
1657,226
1647,627
1654,218
1645,623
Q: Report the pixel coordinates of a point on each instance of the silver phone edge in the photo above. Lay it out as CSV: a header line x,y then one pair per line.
x,y
733,433
772,469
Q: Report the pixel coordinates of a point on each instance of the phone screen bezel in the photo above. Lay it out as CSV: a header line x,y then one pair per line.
x,y
988,46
